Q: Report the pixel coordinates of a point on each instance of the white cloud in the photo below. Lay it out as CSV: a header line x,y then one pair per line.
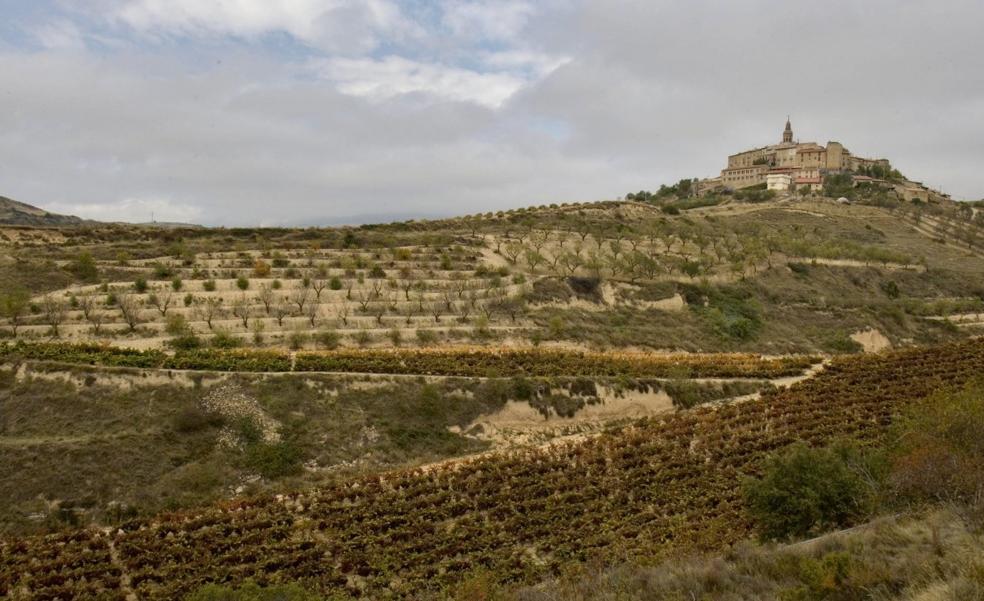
x,y
133,210
501,20
342,26
60,35
395,76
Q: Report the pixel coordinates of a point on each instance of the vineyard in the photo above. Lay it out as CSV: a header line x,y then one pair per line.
x,y
465,361
661,484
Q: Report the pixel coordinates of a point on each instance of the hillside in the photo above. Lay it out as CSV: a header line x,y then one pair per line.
x,y
782,276
13,212
648,489
363,409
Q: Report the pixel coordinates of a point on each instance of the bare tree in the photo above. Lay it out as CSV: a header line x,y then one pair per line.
x,y
363,298
281,309
533,258
207,309
571,262
512,251
242,309
448,295
162,301
410,310
87,304
465,310
318,285
437,309
53,311
129,306
407,285
300,297
343,311
313,312
266,296
378,310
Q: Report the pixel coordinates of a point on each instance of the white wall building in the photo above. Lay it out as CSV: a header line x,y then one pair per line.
x,y
779,182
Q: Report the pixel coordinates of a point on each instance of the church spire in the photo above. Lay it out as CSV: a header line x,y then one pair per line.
x,y
787,134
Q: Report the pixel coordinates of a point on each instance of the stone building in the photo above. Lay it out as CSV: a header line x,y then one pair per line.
x,y
804,163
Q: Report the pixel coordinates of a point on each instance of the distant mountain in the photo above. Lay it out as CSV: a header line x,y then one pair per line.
x,y
13,212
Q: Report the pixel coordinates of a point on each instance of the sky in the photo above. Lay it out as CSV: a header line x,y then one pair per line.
x,y
320,112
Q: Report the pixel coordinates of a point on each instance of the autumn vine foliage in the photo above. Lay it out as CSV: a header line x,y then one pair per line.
x,y
452,361
658,485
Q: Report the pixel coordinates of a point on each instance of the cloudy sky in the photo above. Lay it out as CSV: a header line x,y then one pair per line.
x,y
234,112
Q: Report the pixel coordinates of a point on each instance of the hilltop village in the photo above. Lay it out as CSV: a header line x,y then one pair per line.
x,y
792,165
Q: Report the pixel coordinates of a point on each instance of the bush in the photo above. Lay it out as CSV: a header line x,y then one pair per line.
x,y
296,340
805,490
162,271
140,285
937,449
176,284
335,283
224,339
329,339
84,268
362,338
261,268
839,342
426,337
377,272
208,285
274,460
242,282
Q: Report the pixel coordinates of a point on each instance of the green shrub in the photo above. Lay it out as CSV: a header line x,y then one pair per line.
x,y
890,288
242,282
839,342
223,339
208,285
377,272
805,490
176,284
162,271
329,339
426,337
937,449
274,460
140,285
362,338
296,340
84,268
335,283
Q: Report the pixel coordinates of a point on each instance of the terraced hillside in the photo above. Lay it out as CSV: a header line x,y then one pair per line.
x,y
773,277
644,490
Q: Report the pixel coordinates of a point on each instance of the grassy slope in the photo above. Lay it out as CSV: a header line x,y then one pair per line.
x,y
110,443
933,555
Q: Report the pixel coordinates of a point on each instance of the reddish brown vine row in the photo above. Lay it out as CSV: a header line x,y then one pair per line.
x,y
661,484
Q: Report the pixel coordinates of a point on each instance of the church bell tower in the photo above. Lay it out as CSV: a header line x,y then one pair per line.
x,y
787,134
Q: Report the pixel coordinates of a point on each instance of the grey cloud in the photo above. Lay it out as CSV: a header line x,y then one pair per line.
x,y
651,92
